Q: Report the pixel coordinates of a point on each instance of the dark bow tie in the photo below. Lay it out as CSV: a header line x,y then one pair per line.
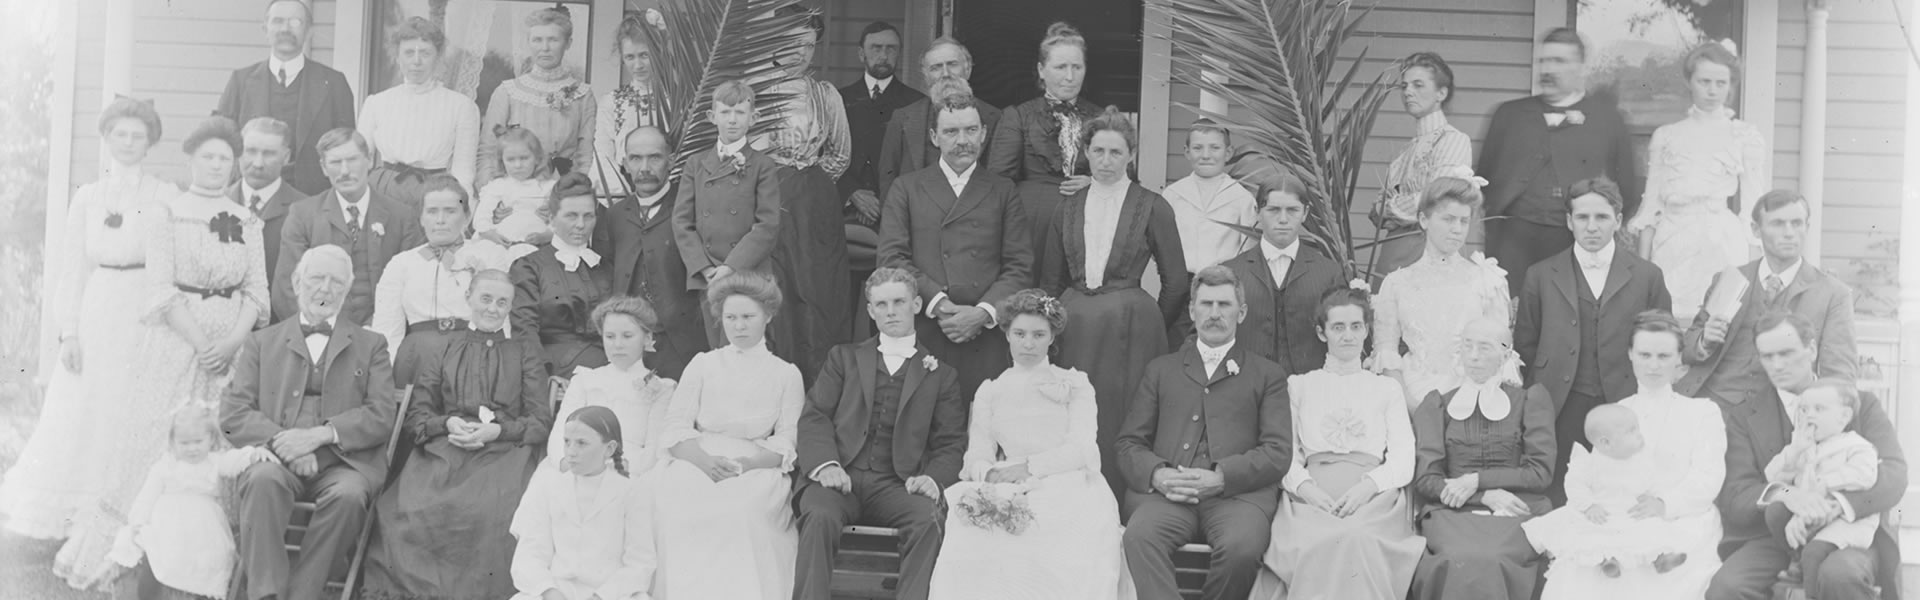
x,y
1064,107
323,328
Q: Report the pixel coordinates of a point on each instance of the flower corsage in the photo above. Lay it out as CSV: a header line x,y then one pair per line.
x,y
997,506
930,363
1233,367
564,97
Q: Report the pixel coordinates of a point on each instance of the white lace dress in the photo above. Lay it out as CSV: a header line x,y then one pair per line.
x,y
1694,166
1426,305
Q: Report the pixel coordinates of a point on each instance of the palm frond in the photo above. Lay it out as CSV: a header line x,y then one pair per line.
x,y
698,44
1282,70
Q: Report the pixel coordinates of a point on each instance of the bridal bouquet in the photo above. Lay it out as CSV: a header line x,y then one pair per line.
x,y
1001,506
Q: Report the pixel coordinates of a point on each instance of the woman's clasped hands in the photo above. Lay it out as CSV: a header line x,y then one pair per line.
x,y
470,435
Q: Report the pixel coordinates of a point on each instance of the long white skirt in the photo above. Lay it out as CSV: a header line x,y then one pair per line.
x,y
727,540
1699,534
1071,551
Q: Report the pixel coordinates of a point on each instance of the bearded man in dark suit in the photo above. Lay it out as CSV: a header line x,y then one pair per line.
x,y
870,103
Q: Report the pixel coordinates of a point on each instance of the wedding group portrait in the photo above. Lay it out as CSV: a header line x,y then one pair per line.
x,y
959,300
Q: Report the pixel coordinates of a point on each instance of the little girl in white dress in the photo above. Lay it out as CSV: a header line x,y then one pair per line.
x,y
176,523
1594,528
523,191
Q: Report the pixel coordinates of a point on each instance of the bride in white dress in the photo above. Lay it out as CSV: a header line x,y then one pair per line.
x,y
1426,304
1032,433
1694,165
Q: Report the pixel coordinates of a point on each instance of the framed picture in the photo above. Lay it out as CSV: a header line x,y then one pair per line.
x,y
486,41
1637,48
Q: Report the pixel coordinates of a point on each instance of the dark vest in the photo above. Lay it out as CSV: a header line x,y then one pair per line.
x,y
877,454
283,103
1586,373
1543,201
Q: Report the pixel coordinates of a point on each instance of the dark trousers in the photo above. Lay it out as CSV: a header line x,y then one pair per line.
x,y
1236,529
983,357
1813,554
1518,244
1749,573
267,492
1570,427
878,499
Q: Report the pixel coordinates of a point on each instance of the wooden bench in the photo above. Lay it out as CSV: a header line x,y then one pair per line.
x,y
868,565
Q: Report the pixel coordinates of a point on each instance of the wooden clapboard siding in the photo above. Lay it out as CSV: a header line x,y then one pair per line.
x,y
1487,43
183,51
1867,165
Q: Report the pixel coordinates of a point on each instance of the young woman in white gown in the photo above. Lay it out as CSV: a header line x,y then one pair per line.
x,y
625,385
1427,303
1032,430
101,266
722,519
1693,167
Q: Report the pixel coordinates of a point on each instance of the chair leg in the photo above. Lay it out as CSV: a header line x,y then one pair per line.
x,y
359,557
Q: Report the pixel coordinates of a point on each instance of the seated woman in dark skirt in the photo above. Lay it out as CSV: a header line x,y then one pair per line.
x,y
556,287
1485,460
479,418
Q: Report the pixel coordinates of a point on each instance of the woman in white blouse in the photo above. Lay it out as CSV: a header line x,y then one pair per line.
x,y
1426,304
419,127
587,533
625,385
1687,438
421,301
724,526
1343,528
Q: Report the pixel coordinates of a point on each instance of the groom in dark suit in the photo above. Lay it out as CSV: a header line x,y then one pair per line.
x,y
907,145
962,232
880,440
293,88
1537,147
1577,312
371,228
646,259
1758,428
1208,436
318,392
264,153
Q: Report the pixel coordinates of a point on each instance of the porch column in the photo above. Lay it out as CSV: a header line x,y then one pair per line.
x,y
1907,372
1813,126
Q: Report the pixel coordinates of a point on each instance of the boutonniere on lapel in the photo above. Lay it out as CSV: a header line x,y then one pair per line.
x,y
227,227
486,415
1233,367
930,363
378,228
564,97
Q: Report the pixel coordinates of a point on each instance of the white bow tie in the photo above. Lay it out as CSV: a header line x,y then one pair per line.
x,y
572,257
1595,265
898,349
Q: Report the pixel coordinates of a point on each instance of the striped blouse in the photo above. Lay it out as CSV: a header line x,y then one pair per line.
x,y
1436,145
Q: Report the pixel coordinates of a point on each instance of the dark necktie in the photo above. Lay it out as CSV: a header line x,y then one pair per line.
x,y
254,205
323,328
283,78
353,221
1773,285
876,91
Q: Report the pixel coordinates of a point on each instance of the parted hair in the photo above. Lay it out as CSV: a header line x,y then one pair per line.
x,y
632,306
488,275
1216,275
1599,186
443,182
1445,190
1442,74
215,128
1714,53
1036,302
632,29
1776,200
552,16
1566,35
269,126
418,28
1344,296
602,421
1279,181
733,91
1060,34
341,136
571,185
886,275
759,288
126,107
1112,120
1659,321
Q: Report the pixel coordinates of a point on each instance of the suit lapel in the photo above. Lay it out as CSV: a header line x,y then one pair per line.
x,y
1802,281
296,342
936,188
915,373
282,200
1123,231
1303,258
1565,268
330,205
381,210
1195,368
310,86
1618,275
336,344
970,197
867,360
1256,262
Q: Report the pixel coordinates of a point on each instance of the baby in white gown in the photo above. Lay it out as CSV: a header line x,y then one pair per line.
x,y
523,192
1595,528
176,523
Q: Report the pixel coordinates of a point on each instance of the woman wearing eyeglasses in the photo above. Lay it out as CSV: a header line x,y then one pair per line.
x,y
1426,304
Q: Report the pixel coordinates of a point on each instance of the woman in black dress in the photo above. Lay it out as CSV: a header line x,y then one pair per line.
x,y
556,287
1040,140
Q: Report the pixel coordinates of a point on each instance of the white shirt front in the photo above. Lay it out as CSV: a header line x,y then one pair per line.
x,y
1102,227
1786,275
1279,268
1790,402
728,151
288,68
895,351
317,343
248,195
416,288
1199,207
958,181
358,205
1595,266
1212,356
877,83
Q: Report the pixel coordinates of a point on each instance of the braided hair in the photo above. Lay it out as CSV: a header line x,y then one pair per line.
x,y
602,421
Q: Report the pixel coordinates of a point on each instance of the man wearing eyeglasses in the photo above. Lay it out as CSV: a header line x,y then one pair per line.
x,y
288,86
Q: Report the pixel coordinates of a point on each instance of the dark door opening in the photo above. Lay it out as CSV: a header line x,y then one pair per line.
x,y
1004,37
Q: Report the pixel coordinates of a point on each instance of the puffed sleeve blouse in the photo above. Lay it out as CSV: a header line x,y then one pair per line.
x,y
1354,412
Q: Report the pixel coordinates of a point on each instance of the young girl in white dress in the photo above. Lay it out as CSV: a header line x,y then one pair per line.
x,y
176,523
521,195
1593,529
586,532
625,385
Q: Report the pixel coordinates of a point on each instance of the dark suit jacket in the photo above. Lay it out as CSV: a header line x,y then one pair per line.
x,y
974,248
1246,417
318,220
929,431
1291,307
356,397
1518,142
273,215
326,103
906,146
1547,332
1821,299
646,263
721,217
866,118
1757,429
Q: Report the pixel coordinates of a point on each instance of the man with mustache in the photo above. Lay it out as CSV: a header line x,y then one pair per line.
x,y
906,145
266,146
294,89
962,232
1537,147
870,103
372,229
646,262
